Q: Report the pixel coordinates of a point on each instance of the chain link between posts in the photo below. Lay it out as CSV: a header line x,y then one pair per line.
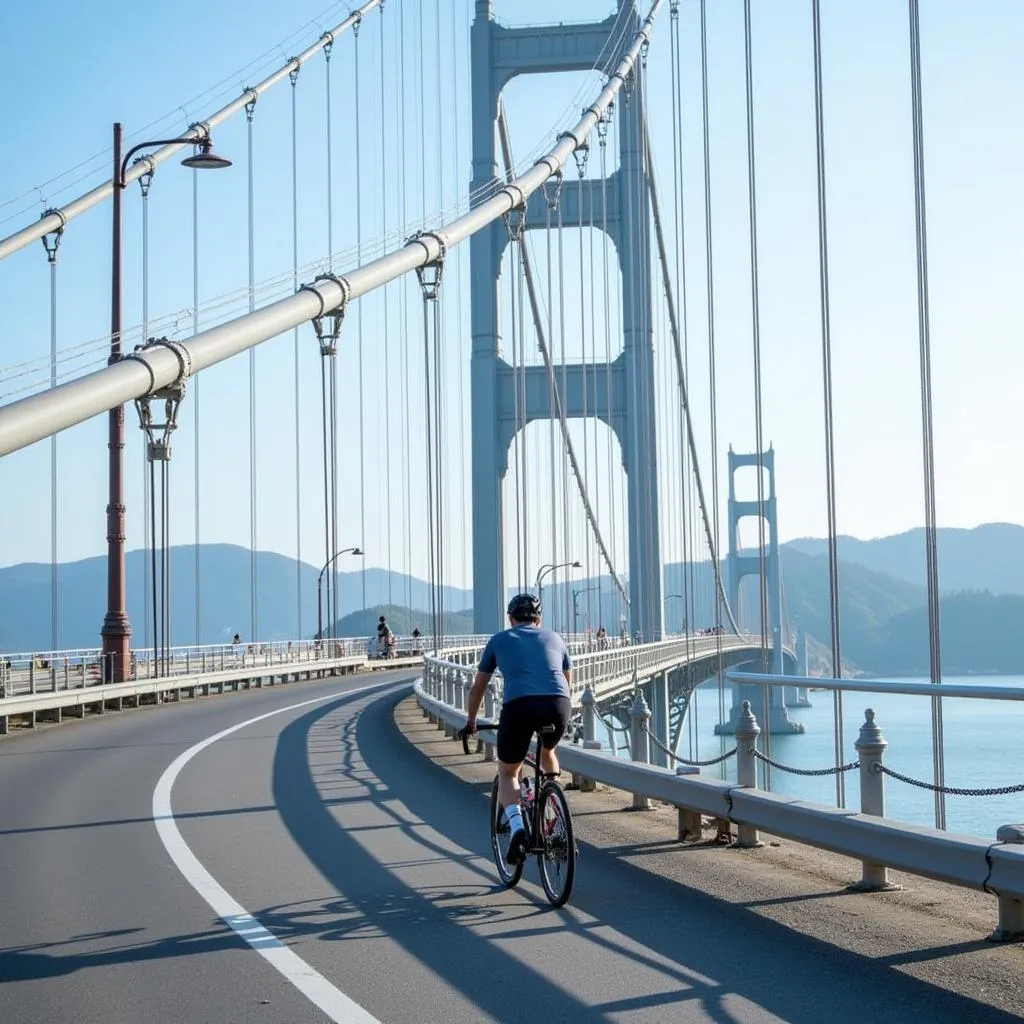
x,y
834,770
682,760
877,766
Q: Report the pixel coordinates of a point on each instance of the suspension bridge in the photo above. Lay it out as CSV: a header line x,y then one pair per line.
x,y
459,315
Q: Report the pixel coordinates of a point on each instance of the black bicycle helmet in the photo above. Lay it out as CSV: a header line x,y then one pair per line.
x,y
524,608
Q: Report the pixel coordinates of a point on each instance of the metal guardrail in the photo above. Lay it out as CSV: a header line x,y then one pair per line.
x,y
995,867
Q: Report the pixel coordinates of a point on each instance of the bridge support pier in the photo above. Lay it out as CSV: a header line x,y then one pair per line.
x,y
770,710
661,710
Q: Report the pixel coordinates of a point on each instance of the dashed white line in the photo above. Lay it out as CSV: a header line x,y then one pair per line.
x,y
313,985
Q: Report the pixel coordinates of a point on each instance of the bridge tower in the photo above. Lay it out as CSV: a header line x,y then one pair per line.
x,y
498,54
739,565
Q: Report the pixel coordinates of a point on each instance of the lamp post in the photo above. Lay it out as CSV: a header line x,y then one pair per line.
x,y
575,597
546,570
319,588
668,597
117,631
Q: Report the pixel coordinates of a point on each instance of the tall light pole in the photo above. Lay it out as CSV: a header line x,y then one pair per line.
x,y
546,570
668,597
117,631
575,597
319,588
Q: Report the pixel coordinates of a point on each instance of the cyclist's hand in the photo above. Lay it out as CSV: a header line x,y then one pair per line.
x,y
465,733
471,727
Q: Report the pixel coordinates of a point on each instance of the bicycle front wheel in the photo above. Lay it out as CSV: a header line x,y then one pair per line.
x,y
558,859
500,836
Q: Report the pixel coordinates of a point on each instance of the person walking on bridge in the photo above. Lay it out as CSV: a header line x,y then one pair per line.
x,y
537,671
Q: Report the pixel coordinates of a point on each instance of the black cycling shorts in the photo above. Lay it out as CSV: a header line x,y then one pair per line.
x,y
522,717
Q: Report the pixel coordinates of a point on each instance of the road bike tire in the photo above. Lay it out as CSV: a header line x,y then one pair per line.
x,y
558,860
508,873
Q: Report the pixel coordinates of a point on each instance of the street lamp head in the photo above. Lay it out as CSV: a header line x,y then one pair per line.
x,y
206,159
356,551
576,565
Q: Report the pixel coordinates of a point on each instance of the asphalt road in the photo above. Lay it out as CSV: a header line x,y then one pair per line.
x,y
366,868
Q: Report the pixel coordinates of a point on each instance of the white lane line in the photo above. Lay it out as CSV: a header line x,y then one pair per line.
x,y
313,985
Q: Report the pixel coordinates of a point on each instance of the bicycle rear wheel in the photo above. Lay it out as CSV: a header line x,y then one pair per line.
x,y
558,859
500,836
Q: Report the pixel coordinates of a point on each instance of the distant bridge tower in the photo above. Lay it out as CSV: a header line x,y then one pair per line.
x,y
739,565
498,55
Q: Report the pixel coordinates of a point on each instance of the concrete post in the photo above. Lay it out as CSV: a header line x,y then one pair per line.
x,y
640,742
1011,911
489,752
870,747
747,731
590,740
690,824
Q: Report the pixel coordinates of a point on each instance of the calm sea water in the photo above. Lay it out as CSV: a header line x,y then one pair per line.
x,y
984,743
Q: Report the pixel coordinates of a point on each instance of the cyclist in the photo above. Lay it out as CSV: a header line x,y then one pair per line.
x,y
537,671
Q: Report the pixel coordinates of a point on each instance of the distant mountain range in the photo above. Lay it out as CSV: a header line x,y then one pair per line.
x,y
882,599
224,597
988,557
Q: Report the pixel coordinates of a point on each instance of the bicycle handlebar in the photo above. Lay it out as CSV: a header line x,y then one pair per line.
x,y
464,734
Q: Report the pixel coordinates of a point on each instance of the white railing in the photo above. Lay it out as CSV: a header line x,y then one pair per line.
x,y
606,671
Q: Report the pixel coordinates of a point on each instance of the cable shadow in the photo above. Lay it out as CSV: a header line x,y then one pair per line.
x,y
688,927
427,929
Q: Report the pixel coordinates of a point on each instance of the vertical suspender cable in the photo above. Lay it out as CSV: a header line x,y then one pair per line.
x,y
250,109
631,217
826,362
359,322
404,336
51,242
517,355
581,155
566,540
755,315
709,258
680,275
144,183
197,558
294,76
429,422
328,387
551,193
439,341
927,430
602,133
463,432
387,339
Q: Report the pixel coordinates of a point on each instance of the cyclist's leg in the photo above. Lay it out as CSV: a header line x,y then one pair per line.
x,y
515,730
558,716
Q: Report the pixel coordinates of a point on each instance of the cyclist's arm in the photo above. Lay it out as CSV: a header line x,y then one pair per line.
x,y
476,694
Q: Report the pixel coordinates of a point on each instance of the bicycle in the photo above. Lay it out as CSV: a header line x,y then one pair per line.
x,y
546,817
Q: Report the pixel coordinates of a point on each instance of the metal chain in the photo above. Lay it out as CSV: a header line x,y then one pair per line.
x,y
682,760
877,766
835,770
612,728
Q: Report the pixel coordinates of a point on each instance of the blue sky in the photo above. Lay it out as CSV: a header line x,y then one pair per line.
x,y
141,63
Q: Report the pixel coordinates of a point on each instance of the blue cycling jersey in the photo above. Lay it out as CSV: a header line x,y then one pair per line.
x,y
532,660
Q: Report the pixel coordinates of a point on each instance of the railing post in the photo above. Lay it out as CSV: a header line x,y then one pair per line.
x,y
489,748
640,741
747,731
590,740
870,747
1011,911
